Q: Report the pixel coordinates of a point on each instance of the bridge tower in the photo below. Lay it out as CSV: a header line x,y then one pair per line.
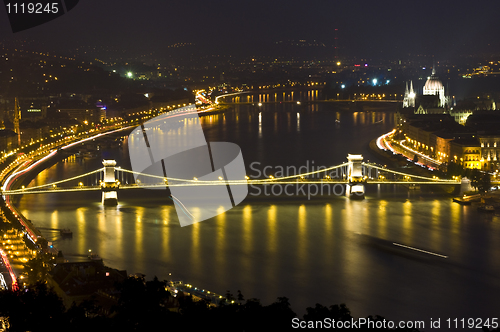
x,y
355,187
109,185
465,185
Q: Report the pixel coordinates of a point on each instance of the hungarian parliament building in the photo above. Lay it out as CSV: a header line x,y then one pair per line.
x,y
430,123
435,100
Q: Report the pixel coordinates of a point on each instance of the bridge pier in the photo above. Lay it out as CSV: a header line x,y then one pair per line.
x,y
109,185
355,188
465,186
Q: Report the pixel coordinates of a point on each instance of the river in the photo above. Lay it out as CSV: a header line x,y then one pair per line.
x,y
326,249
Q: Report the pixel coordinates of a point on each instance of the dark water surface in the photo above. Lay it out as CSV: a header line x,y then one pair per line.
x,y
328,249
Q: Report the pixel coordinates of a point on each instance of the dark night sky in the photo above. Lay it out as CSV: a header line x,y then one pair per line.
x,y
367,28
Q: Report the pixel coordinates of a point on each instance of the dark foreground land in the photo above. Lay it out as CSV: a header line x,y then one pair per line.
x,y
141,305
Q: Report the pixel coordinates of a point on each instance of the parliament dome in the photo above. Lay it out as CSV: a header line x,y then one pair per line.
x,y
433,84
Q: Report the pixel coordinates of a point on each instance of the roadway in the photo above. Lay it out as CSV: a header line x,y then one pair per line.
x,y
28,161
305,102
11,280
408,179
385,142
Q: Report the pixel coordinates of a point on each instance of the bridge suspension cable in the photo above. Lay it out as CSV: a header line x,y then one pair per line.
x,y
175,182
53,183
236,181
303,174
405,174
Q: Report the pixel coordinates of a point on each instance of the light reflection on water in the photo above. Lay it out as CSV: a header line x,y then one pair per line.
x,y
329,250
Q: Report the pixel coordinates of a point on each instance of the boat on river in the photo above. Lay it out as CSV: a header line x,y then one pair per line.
x,y
486,208
65,232
461,201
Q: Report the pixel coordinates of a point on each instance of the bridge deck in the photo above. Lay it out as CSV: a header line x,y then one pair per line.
x,y
307,102
221,183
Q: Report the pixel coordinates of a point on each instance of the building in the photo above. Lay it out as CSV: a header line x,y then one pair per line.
x,y
443,138
79,281
466,152
465,108
434,87
409,99
473,146
461,115
33,111
8,140
490,152
81,111
433,100
430,133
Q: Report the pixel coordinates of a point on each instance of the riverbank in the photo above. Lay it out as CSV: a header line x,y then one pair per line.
x,y
45,159
297,248
382,154
221,108
417,170
20,171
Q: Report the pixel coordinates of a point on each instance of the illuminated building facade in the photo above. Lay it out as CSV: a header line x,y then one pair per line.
x,y
91,115
409,99
490,152
434,87
433,99
466,152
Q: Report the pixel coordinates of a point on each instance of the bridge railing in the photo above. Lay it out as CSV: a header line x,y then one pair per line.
x,y
127,179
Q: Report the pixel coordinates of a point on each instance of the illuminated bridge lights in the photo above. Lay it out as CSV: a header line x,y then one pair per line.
x,y
176,182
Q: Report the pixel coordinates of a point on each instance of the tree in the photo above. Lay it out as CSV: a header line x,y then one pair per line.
x,y
36,269
484,183
229,296
480,180
454,170
141,305
279,312
475,177
38,308
33,309
240,297
320,312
